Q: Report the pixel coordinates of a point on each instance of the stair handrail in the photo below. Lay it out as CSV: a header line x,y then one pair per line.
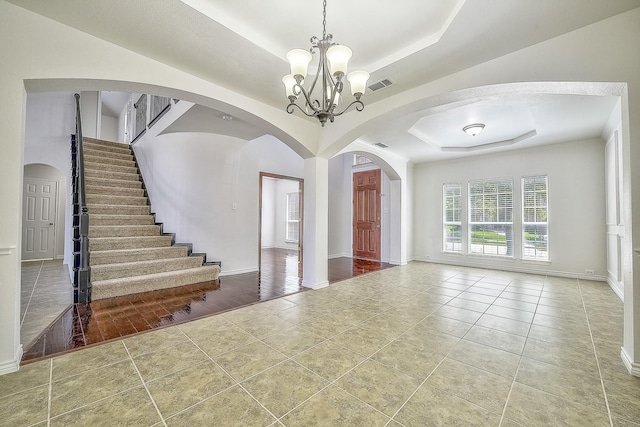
x,y
83,290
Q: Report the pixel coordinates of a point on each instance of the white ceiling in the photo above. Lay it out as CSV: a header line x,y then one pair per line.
x,y
241,44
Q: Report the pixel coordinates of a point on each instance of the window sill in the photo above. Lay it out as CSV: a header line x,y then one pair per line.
x,y
494,257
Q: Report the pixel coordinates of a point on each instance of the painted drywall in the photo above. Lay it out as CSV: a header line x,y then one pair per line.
x,y
90,106
339,206
49,123
109,129
576,199
268,240
205,188
282,188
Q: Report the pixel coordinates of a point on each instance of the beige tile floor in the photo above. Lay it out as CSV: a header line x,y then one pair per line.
x,y
46,292
417,345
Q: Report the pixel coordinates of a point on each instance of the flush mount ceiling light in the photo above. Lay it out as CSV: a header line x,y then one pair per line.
x,y
473,129
332,66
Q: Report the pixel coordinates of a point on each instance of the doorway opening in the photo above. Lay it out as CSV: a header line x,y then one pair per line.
x,y
280,231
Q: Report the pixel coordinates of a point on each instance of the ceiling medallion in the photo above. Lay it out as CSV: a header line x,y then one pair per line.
x,y
332,67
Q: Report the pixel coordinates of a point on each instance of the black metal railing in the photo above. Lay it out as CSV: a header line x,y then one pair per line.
x,y
81,268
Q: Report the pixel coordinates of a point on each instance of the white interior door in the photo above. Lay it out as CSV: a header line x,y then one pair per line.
x,y
38,218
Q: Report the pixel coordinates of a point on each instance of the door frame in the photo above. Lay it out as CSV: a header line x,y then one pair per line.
x,y
300,233
354,172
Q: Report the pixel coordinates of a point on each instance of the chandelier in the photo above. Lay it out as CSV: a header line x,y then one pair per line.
x,y
332,67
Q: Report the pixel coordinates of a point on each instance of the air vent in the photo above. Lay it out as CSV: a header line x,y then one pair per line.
x,y
381,145
380,84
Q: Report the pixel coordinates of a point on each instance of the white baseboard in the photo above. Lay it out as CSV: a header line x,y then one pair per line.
x,y
467,262
397,262
345,255
12,365
315,285
617,288
238,271
632,367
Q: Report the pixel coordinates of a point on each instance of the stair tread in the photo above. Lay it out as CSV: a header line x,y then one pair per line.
x,y
131,226
133,237
145,262
110,204
116,251
162,274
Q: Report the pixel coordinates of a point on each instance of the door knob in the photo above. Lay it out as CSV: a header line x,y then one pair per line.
x,y
50,223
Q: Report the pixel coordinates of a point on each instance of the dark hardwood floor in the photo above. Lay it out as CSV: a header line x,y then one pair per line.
x,y
99,321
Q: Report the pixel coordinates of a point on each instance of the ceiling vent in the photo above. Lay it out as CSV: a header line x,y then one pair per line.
x,y
373,87
381,145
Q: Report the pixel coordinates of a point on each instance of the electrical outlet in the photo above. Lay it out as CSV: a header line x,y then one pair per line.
x,y
589,272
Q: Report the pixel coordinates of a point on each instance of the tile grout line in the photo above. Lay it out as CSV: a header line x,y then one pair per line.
x,y
237,383
443,359
35,283
144,384
595,352
515,376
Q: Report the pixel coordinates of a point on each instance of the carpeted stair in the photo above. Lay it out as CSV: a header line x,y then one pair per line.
x,y
129,252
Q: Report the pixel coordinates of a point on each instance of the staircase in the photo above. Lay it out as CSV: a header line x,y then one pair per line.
x,y
129,251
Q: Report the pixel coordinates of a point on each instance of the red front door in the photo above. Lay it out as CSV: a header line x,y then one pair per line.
x,y
366,215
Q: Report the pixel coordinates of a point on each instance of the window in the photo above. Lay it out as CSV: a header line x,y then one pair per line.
x,y
451,220
535,218
491,217
293,217
360,160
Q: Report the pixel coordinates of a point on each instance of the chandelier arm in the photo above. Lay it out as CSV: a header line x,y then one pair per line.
x,y
315,80
290,110
359,107
306,97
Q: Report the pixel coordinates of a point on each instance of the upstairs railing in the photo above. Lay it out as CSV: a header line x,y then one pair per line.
x,y
81,268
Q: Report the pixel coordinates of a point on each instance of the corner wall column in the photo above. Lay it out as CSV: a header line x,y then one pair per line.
x,y
316,223
630,351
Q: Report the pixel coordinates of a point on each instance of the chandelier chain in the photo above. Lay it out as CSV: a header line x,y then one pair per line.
x,y
324,19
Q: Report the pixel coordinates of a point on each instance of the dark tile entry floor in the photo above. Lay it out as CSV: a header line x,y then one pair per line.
x,y
99,321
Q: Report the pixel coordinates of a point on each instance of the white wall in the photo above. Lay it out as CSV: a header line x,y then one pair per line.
x,y
576,206
90,107
340,206
194,181
49,123
282,188
268,240
109,128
